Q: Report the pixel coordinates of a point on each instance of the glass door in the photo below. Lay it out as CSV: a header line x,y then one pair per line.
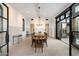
x,y
75,41
68,26
4,38
75,29
59,30
64,28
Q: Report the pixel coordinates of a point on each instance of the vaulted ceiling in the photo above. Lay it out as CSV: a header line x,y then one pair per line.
x,y
47,10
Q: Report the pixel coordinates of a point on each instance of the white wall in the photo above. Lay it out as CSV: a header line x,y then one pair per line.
x,y
53,27
15,23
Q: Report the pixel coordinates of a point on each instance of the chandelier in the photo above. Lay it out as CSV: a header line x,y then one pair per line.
x,y
37,8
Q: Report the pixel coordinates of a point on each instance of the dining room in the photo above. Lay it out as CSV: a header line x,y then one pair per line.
x,y
35,29
39,31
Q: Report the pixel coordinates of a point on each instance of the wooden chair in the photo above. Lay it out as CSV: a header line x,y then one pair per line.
x,y
38,43
45,38
32,37
41,41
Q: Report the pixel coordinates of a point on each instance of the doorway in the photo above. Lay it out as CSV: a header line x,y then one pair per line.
x,y
65,25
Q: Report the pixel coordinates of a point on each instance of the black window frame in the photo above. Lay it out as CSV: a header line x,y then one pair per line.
x,y
23,24
1,19
73,10
7,30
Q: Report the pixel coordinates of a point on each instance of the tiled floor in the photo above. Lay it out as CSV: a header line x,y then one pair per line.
x,y
65,40
55,48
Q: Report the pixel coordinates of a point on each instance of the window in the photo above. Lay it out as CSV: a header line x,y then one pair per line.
x,y
75,28
57,19
75,24
77,9
62,17
68,20
68,14
63,20
23,24
1,20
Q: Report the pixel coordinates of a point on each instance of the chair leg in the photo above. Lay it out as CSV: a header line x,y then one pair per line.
x,y
35,49
0,51
42,46
46,44
35,46
32,43
18,40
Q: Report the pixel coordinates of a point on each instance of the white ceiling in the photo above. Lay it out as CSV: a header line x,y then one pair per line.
x,y
47,10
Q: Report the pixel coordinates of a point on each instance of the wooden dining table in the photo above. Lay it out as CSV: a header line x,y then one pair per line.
x,y
38,38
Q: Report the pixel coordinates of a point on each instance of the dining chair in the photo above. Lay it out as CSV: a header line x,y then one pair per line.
x,y
32,37
38,43
45,38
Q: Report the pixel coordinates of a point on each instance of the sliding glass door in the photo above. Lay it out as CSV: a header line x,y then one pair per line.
x,y
69,28
75,29
64,28
75,24
59,30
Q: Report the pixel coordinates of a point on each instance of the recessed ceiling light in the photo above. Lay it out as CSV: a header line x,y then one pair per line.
x,y
32,19
46,19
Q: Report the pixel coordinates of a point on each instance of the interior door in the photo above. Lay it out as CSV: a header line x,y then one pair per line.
x,y
47,28
32,28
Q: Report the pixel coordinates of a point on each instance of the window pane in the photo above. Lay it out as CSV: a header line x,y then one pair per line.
x,y
64,30
59,29
57,19
75,24
68,20
63,20
75,28
4,11
68,14
1,24
4,25
0,11
2,38
62,17
2,42
77,9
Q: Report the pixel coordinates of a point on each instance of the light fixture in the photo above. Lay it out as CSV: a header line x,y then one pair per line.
x,y
39,24
32,19
46,19
37,9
